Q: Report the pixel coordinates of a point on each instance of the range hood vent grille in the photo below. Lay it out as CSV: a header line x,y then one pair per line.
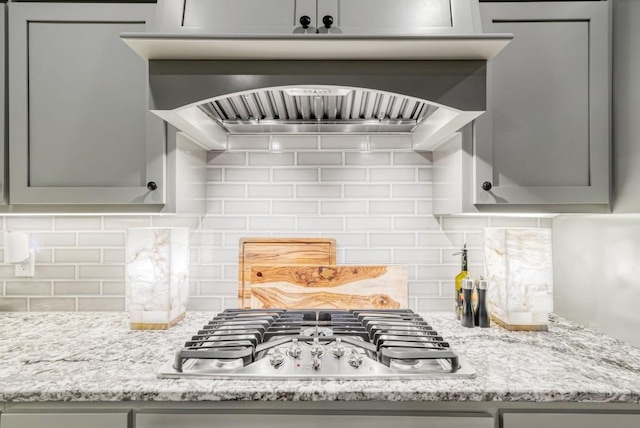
x,y
318,105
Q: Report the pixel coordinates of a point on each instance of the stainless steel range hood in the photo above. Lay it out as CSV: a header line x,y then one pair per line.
x,y
428,82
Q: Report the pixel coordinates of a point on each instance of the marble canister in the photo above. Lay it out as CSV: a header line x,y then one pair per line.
x,y
157,276
518,266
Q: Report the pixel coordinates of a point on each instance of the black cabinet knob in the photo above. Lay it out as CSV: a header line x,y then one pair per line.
x,y
152,185
487,186
327,21
305,21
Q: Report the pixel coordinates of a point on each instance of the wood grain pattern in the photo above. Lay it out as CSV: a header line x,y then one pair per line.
x,y
315,276
291,251
329,286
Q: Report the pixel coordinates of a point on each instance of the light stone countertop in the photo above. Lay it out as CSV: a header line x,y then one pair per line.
x,y
95,357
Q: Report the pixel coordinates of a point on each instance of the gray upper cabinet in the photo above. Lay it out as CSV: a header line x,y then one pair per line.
x,y
545,139
81,132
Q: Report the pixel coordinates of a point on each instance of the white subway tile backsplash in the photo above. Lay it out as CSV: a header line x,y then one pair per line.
x,y
101,239
344,142
367,256
224,223
116,288
364,158
342,174
204,238
29,223
248,142
392,207
343,207
226,158
318,191
101,271
372,194
392,239
55,272
51,304
319,158
295,207
417,191
270,191
99,304
192,222
272,223
424,288
219,191
391,142
295,175
124,223
25,288
76,288
270,159
113,255
294,142
78,223
52,240
388,175
369,223
13,304
214,174
77,255
319,224
246,207
247,174
366,191
416,256
441,240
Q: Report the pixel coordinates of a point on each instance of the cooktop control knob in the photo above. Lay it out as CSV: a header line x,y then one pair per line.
x,y
316,363
338,349
276,358
354,359
316,350
294,349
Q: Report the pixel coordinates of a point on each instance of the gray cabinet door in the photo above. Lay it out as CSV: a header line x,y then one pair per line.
x,y
173,420
386,17
569,420
63,420
545,138
81,132
238,16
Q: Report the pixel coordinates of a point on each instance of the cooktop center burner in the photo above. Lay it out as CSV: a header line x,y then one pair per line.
x,y
324,344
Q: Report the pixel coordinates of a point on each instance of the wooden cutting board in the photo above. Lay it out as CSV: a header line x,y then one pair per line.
x,y
271,251
329,286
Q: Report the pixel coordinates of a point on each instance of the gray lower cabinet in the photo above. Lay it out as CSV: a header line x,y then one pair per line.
x,y
545,139
64,420
310,421
569,420
81,132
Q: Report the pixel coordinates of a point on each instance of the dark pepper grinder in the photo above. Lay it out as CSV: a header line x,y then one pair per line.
x,y
466,318
482,314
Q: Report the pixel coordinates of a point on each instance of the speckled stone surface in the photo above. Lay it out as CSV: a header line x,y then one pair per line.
x,y
95,357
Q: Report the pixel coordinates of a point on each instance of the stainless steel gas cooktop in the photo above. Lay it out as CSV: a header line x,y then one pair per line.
x,y
317,344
